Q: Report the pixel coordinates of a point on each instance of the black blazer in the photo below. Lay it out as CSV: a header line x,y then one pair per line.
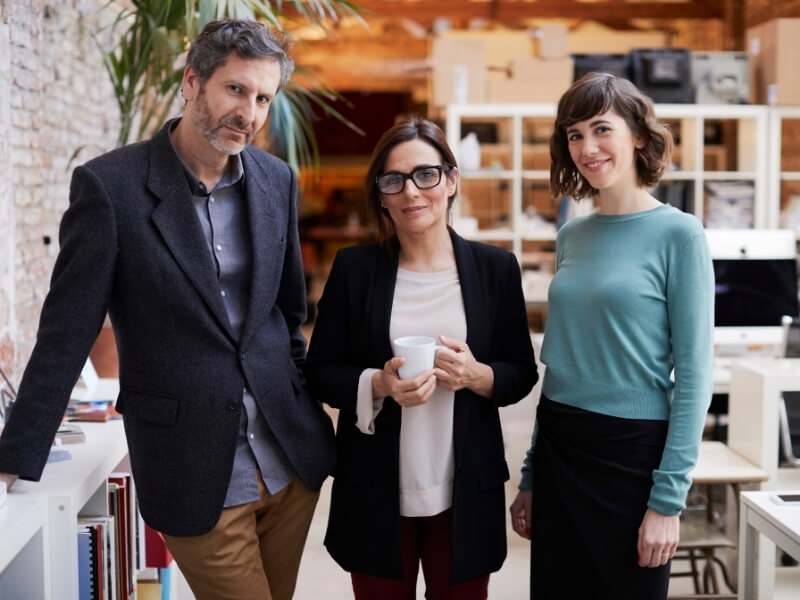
x,y
132,245
351,333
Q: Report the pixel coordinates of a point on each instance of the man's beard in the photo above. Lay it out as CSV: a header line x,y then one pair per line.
x,y
203,120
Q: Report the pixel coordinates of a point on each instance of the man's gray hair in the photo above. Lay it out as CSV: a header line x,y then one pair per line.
x,y
249,39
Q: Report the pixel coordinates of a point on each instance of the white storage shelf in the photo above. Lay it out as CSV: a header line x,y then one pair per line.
x,y
783,164
496,199
519,164
67,490
24,562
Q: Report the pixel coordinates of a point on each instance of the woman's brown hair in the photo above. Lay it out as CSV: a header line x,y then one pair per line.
x,y
410,128
592,95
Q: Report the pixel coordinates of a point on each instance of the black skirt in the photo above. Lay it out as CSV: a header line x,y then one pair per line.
x,y
592,476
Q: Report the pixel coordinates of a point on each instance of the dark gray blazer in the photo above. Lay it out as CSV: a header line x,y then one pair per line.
x,y
351,333
132,245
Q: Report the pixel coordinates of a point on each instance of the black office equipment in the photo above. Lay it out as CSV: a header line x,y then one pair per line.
x,y
616,64
721,77
664,74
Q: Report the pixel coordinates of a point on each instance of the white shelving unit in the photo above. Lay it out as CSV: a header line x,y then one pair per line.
x,y
783,166
506,200
24,561
520,160
42,544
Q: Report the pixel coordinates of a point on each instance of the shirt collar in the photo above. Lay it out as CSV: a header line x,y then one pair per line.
x,y
233,174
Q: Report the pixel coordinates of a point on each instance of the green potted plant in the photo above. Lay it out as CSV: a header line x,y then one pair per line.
x,y
144,66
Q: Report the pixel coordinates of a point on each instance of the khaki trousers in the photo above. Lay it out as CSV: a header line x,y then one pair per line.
x,y
253,552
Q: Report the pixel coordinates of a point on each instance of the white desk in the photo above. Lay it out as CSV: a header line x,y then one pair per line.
x,y
717,463
68,489
756,387
781,524
24,564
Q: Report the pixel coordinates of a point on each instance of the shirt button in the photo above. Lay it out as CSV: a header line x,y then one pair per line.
x,y
222,292
219,247
211,199
252,436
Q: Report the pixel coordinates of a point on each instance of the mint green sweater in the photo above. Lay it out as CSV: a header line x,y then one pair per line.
x,y
631,300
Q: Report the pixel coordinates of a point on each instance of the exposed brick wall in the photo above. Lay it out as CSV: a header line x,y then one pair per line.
x,y
54,99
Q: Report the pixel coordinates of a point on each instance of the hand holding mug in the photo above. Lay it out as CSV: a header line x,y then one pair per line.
x,y
456,368
406,392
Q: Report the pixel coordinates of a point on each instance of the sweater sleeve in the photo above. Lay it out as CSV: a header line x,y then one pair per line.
x,y
367,407
690,307
526,482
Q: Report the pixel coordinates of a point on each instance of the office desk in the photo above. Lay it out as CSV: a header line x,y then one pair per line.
x,y
781,524
717,463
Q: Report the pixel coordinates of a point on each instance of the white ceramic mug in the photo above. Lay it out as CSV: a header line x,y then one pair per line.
x,y
419,352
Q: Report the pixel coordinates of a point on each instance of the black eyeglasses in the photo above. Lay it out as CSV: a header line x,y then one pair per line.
x,y
424,178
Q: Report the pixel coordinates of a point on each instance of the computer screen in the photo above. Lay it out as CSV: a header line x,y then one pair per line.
x,y
755,273
754,292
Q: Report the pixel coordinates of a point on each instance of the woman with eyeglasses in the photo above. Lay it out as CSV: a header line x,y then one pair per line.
x,y
421,464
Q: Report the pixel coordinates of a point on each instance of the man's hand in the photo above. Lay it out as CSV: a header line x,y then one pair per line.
x,y
9,479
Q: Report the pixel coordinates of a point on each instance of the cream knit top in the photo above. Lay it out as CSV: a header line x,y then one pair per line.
x,y
424,304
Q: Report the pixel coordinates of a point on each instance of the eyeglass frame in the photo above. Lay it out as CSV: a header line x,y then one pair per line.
x,y
406,176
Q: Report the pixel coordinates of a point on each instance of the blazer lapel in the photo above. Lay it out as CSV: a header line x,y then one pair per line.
x,y
382,299
176,219
477,334
471,293
261,209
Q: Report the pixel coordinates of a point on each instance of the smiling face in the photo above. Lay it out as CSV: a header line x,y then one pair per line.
x,y
229,108
412,210
603,149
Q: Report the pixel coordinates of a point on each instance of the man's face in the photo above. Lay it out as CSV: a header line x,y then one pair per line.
x,y
232,105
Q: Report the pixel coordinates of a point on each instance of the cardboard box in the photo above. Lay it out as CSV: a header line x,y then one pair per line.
x,y
532,80
590,37
551,41
556,69
499,48
458,70
457,84
773,48
464,51
530,90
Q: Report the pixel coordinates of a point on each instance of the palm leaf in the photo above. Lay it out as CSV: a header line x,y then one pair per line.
x,y
152,34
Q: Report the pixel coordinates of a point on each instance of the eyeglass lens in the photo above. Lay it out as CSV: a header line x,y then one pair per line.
x,y
423,177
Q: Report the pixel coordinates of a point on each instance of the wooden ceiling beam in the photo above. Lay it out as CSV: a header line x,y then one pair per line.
x,y
511,10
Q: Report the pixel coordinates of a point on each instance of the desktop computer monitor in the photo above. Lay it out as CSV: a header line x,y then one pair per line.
x,y
755,273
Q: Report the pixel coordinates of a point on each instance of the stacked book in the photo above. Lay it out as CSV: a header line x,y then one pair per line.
x,y
729,204
110,545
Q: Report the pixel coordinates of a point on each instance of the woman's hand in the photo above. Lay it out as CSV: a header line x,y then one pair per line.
x,y
521,513
456,368
406,392
658,539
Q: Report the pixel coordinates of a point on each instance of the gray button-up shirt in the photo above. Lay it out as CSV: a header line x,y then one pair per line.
x,y
224,219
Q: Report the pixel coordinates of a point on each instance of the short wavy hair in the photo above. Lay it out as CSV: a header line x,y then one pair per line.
x,y
409,128
592,95
249,39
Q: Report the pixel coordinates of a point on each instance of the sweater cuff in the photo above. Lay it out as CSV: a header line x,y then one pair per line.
x,y
367,407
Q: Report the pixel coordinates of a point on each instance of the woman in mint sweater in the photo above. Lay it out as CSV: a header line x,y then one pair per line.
x,y
628,349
